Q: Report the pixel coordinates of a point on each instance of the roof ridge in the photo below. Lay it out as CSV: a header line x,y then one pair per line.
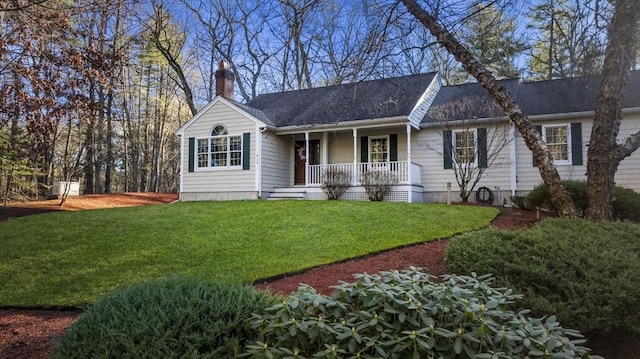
x,y
328,87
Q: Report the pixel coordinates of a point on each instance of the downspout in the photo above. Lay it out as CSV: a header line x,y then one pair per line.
x,y
513,157
259,132
181,166
410,199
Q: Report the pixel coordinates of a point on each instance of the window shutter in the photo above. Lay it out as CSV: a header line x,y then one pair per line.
x,y
539,129
364,149
192,157
576,143
482,147
393,147
447,147
246,151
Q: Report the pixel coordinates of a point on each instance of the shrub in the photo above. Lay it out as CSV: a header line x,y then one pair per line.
x,y
378,184
519,201
585,273
626,204
406,315
539,196
335,183
174,317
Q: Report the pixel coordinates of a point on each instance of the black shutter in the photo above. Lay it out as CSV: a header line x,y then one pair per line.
x,y
246,151
447,147
482,147
393,147
539,129
576,143
192,157
364,149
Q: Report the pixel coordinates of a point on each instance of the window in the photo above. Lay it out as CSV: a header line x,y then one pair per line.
x,y
557,140
464,147
379,149
220,150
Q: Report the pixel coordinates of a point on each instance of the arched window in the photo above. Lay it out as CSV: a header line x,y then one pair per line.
x,y
219,131
220,149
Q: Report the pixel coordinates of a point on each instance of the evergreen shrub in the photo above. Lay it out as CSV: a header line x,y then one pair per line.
x,y
173,317
626,204
407,315
585,273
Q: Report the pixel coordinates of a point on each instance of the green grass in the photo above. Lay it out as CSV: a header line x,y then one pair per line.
x,y
71,258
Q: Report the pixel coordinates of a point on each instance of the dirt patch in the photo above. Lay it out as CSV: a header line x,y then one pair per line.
x,y
92,201
29,333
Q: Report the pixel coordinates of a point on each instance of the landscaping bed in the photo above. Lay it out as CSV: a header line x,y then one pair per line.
x,y
28,333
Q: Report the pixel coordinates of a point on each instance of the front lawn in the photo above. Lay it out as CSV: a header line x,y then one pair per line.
x,y
71,258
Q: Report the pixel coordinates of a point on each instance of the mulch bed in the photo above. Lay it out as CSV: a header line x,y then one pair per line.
x,y
29,333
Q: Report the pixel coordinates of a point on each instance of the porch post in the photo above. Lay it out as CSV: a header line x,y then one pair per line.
x,y
409,162
325,148
354,174
306,159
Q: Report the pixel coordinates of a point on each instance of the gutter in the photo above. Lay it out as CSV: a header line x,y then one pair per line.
x,y
347,125
542,117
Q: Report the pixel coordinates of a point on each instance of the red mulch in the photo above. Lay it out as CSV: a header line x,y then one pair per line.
x,y
28,333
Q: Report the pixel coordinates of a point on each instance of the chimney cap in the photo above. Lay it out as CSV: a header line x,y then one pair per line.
x,y
223,65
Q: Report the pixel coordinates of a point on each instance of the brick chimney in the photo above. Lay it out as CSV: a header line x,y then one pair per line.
x,y
224,80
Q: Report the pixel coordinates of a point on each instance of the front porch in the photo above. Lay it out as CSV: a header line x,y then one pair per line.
x,y
407,188
406,173
352,152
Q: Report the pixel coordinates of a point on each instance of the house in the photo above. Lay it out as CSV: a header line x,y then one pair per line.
x,y
279,145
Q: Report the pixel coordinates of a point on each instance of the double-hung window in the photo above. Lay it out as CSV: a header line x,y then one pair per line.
x,y
464,147
379,149
557,139
220,150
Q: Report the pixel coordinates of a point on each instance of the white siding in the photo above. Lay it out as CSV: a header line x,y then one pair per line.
x,y
528,175
276,161
341,147
628,174
204,181
427,151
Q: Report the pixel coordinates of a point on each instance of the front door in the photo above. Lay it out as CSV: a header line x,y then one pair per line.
x,y
300,159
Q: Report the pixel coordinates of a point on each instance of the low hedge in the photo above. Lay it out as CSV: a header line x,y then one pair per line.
x,y
585,273
173,317
626,204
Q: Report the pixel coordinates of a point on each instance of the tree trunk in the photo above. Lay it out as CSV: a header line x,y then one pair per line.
x,y
559,195
604,152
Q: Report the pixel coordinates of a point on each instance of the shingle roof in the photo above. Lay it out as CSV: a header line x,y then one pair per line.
x,y
348,102
534,98
571,95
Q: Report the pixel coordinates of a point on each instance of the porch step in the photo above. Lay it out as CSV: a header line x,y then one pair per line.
x,y
287,193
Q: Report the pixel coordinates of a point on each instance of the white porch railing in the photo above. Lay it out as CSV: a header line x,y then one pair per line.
x,y
316,173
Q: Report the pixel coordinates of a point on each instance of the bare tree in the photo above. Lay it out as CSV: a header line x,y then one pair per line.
x,y
235,32
169,40
502,98
470,145
605,153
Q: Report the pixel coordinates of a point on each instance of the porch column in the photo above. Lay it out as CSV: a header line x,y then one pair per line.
x,y
354,173
325,148
409,162
306,159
